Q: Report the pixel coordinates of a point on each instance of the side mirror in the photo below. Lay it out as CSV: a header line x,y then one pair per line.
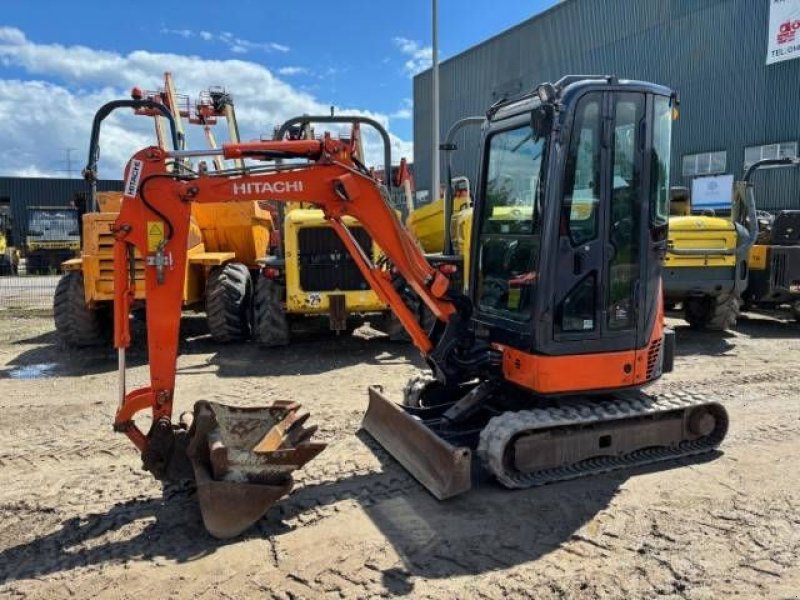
x,y
542,120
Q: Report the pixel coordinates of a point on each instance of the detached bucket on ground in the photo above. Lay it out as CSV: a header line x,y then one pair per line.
x,y
243,459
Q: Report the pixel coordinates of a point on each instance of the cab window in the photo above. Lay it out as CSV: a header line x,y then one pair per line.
x,y
582,184
509,239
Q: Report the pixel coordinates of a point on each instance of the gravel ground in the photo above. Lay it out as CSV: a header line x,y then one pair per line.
x,y
78,518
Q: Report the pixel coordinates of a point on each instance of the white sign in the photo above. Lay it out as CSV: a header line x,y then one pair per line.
x,y
421,195
784,31
715,193
132,182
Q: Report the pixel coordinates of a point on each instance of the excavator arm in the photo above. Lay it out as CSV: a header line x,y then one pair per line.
x,y
154,223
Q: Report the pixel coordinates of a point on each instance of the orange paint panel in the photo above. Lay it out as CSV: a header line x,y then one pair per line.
x,y
582,372
571,373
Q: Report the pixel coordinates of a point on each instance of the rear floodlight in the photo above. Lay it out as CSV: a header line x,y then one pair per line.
x,y
546,93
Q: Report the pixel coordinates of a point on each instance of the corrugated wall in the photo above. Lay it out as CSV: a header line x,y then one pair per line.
x,y
712,51
30,191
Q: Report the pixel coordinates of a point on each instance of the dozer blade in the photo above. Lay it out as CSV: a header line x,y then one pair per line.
x,y
444,469
243,459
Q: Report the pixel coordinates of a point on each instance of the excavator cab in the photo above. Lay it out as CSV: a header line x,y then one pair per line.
x,y
571,229
568,239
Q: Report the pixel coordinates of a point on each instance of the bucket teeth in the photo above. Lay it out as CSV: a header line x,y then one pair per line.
x,y
243,459
300,436
287,433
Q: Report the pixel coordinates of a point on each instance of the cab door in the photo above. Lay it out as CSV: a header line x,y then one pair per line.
x,y
597,264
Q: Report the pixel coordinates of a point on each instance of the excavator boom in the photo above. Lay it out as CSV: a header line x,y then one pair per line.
x,y
154,221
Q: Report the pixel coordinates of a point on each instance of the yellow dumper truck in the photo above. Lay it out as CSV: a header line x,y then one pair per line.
x,y
226,242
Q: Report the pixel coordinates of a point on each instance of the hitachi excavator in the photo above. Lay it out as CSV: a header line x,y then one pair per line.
x,y
539,371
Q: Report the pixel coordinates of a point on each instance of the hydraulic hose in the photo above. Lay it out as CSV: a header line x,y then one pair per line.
x,y
153,209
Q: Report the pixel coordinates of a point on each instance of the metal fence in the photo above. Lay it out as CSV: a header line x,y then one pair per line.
x,y
27,291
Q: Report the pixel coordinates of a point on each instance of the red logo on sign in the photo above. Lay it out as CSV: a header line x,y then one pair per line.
x,y
787,31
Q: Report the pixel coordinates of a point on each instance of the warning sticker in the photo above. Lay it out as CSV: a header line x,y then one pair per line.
x,y
155,235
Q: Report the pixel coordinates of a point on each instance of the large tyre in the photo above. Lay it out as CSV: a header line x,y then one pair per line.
x,y
715,313
77,324
270,325
228,300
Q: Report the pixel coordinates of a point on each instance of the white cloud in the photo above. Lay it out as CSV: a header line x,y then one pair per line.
x,y
11,35
418,58
235,44
34,171
184,33
65,85
289,71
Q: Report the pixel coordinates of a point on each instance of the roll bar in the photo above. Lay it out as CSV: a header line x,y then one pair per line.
x,y
308,119
90,171
769,162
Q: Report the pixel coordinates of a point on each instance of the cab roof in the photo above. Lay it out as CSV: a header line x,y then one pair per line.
x,y
568,87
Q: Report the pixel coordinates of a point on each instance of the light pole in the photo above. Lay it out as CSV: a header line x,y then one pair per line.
x,y
435,107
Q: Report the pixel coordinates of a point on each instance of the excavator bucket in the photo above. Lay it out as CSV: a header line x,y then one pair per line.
x,y
243,459
444,469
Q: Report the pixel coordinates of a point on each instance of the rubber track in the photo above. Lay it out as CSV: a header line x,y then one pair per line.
x,y
501,430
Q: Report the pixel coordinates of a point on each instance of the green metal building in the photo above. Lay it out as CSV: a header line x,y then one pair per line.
x,y
734,107
24,193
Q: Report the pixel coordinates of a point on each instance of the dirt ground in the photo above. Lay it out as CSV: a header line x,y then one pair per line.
x,y
78,517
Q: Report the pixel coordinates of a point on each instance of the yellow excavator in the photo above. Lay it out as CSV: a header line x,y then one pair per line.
x,y
427,222
706,266
537,372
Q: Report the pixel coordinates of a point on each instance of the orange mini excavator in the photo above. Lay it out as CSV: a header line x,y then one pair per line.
x,y
538,370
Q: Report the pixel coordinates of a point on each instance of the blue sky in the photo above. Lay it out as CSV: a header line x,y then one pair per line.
x,y
357,55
